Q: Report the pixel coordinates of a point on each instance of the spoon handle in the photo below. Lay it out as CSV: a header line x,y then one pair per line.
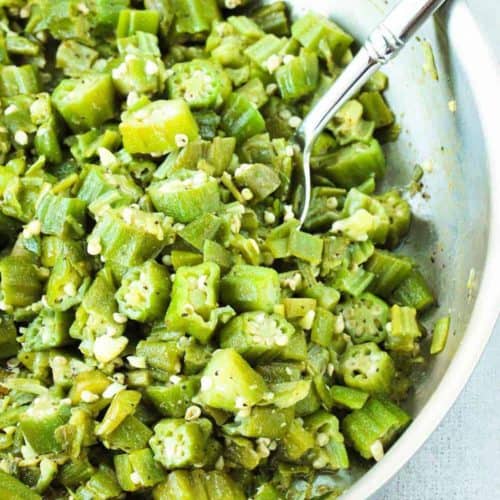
x,y
382,45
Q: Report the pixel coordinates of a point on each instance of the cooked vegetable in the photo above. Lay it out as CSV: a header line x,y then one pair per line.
x,y
168,329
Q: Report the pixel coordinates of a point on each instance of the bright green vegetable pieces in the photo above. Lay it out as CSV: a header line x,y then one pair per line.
x,y
13,489
194,305
86,102
228,382
138,470
241,119
158,127
178,444
40,421
365,318
258,336
251,288
374,426
367,368
186,195
145,292
131,21
404,331
201,83
440,335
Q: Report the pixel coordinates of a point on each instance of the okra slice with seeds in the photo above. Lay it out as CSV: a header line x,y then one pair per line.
x,y
201,83
144,292
258,336
186,195
368,368
158,128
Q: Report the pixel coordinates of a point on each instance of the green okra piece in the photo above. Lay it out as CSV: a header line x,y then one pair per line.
x,y
61,216
86,102
374,427
414,291
202,83
173,399
40,421
255,92
305,246
297,441
131,21
246,27
65,368
261,180
186,195
85,146
318,33
162,355
72,474
48,330
288,394
214,252
389,270
96,316
167,13
298,77
122,405
178,444
440,335
182,258
93,381
8,337
264,49
399,212
240,453
347,397
208,123
366,367
193,308
201,230
194,18
137,470
130,435
373,225
258,336
325,330
365,318
140,43
182,485
348,125
102,485
262,422
241,119
298,307
251,288
14,489
273,18
128,237
16,80
330,451
145,292
143,74
278,238
75,58
107,13
404,331
219,484
158,127
327,297
21,283
353,282
351,165
228,382
376,109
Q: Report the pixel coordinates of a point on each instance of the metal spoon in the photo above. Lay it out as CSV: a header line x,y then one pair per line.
x,y
382,45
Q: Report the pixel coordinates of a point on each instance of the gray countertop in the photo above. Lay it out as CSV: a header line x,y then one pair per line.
x,y
461,460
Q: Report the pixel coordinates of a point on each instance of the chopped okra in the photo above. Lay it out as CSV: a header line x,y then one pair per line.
x,y
168,329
